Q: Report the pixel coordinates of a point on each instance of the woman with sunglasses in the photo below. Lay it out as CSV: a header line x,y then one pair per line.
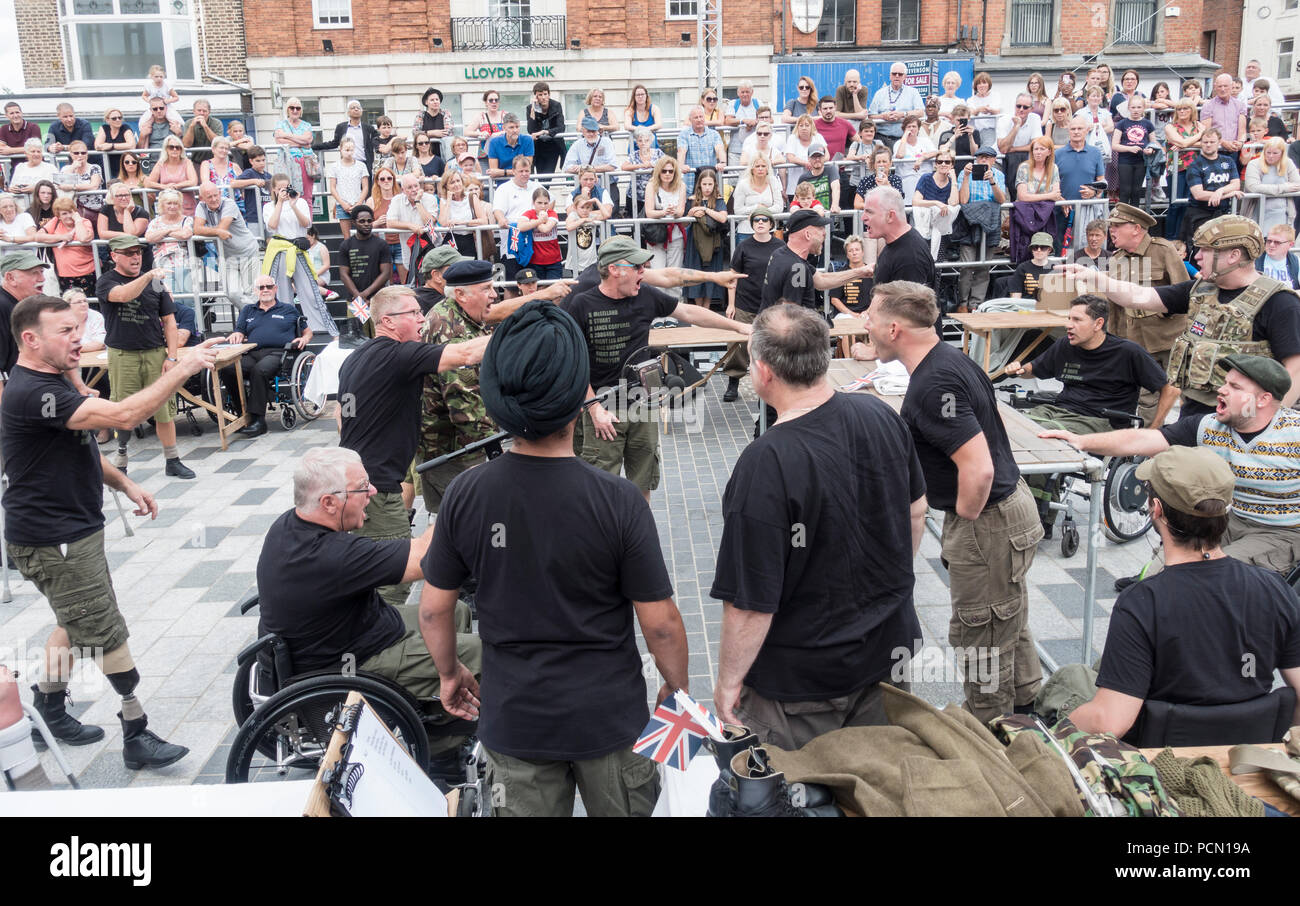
x,y
713,115
122,216
665,199
381,196
1057,127
175,171
804,103
84,178
431,165
488,123
132,174
114,136
294,134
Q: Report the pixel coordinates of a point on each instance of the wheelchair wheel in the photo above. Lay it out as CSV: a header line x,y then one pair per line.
x,y
1125,511
287,737
288,417
241,693
298,383
1069,539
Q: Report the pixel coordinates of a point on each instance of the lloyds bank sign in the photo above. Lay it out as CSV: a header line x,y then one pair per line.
x,y
510,72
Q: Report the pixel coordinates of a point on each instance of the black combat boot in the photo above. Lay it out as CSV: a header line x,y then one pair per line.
x,y
142,748
65,727
733,390
738,740
757,789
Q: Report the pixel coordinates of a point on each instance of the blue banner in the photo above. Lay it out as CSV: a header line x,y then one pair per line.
x,y
925,75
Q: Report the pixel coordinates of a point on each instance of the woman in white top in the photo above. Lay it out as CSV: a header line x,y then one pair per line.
x,y
84,178
169,234
1099,132
287,219
913,154
985,106
759,187
349,182
797,146
949,99
1272,174
665,199
15,226
461,207
25,176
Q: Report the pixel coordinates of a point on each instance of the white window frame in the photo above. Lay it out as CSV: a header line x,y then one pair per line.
x,y
1290,58
68,34
318,25
670,16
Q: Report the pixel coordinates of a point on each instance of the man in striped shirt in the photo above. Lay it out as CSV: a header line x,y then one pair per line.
x,y
1258,437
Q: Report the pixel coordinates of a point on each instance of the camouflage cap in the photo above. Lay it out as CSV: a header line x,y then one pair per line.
x,y
1268,373
1231,231
1182,477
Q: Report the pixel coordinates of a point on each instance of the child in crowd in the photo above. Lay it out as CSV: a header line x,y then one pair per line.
x,y
1253,147
159,87
256,185
1028,278
545,225
384,125
583,228
349,183
1181,248
805,197
862,152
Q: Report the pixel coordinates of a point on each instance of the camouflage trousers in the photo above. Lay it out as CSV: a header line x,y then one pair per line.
x,y
988,560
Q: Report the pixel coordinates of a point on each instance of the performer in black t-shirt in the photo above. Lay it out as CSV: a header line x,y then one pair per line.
x,y
379,404
615,318
54,516
817,600
317,580
991,528
906,255
562,566
790,277
1182,636
21,275
745,297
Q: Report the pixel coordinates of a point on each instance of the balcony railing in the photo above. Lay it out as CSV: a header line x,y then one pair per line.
x,y
497,32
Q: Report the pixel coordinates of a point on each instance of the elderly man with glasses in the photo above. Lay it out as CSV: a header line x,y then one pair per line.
x,y
892,103
272,325
380,388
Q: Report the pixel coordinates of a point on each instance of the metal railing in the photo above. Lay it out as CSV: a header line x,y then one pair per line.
x,y
500,32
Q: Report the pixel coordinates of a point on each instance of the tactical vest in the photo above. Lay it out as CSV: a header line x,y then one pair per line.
x,y
1214,331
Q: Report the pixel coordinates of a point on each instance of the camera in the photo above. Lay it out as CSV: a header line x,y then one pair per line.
x,y
293,193
963,121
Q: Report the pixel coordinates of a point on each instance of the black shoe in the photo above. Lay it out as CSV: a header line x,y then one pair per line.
x,y
255,428
178,469
757,789
1124,582
65,728
1049,529
738,739
142,748
733,390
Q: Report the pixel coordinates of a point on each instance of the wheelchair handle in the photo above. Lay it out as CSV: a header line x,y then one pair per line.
x,y
1131,417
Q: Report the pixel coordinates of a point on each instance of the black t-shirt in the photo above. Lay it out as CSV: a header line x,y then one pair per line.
x,y
1029,277
1186,634
906,258
136,324
795,544
136,213
1185,432
427,297
379,390
1278,320
316,589
615,328
1108,377
1135,133
558,568
789,277
363,258
56,481
750,258
589,278
8,342
1211,175
949,400
856,294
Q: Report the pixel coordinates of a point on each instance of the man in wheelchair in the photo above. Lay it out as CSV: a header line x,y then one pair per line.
x,y
1101,374
1259,439
1183,636
316,583
272,325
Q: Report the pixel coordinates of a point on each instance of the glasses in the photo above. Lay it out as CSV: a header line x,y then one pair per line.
x,y
948,162
711,99
764,134
131,253
78,153
295,108
346,491
385,179
419,144
634,267
409,311
758,220
262,286
805,88
157,109
1024,106
493,100
1277,242
113,118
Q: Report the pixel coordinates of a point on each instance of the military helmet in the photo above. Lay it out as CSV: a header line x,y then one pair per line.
x,y
1231,231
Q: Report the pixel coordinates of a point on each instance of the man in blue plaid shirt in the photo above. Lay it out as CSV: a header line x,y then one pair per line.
x,y
699,146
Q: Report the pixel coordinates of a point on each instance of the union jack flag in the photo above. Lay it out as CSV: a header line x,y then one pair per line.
x,y
673,736
360,310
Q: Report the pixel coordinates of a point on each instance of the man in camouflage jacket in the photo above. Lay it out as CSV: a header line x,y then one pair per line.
x,y
453,414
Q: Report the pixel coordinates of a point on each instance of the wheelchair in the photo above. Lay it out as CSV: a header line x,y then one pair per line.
x,y
1126,515
286,720
288,387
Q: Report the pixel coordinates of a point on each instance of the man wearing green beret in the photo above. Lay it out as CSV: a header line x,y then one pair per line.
x,y
1181,636
1257,436
615,318
21,274
142,341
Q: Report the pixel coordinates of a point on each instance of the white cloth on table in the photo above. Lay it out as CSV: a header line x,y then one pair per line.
x,y
323,381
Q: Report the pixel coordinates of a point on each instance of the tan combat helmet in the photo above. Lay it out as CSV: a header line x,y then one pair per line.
x,y
1231,231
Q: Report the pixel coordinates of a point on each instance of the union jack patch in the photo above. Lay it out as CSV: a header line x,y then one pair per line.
x,y
1198,328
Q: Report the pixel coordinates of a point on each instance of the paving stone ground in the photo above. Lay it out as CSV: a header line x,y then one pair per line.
x,y
178,579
